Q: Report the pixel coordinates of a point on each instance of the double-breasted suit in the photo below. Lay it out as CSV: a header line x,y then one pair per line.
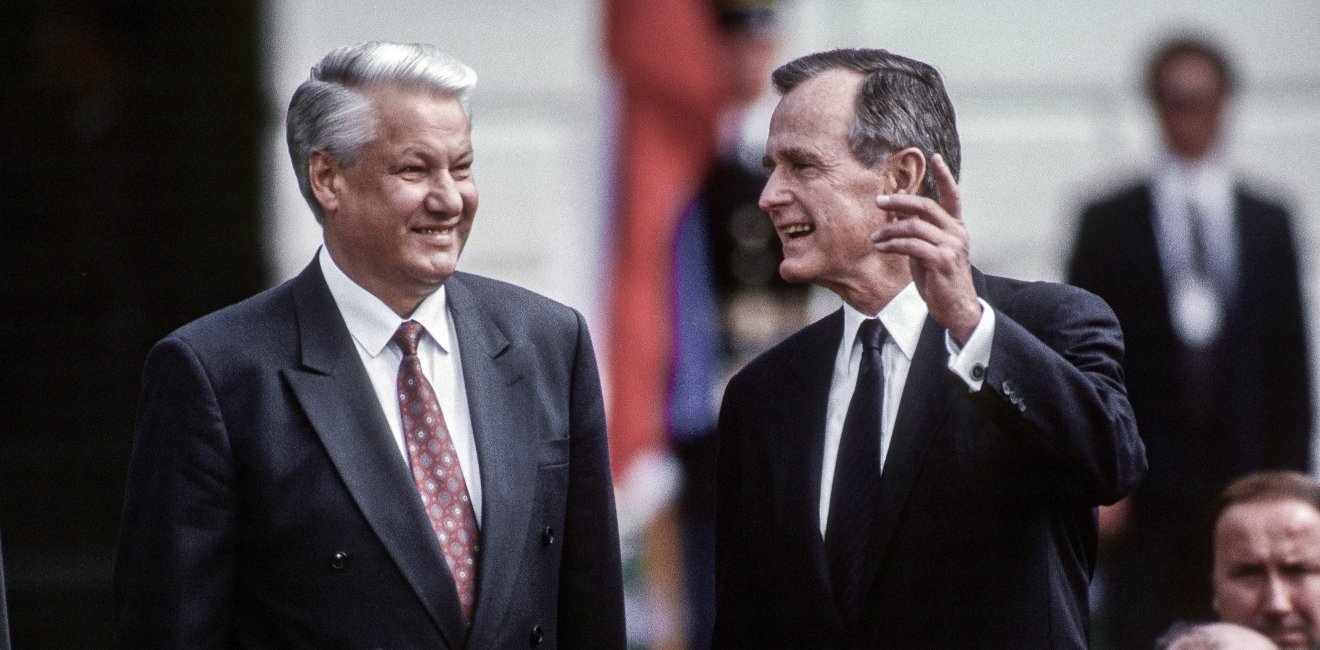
x,y
986,531
269,506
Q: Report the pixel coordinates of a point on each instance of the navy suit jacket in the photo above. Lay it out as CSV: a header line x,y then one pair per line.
x,y
1264,386
986,535
268,505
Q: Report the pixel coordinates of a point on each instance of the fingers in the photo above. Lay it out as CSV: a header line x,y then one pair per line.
x,y
950,194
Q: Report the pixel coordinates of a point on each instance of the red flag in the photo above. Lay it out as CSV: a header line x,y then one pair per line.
x,y
671,79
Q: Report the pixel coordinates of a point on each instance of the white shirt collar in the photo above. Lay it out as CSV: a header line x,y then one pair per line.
x,y
1205,183
903,319
370,321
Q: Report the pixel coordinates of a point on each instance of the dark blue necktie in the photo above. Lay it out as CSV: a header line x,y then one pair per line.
x,y
856,492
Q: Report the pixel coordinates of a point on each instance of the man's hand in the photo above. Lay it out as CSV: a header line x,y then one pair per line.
x,y
934,239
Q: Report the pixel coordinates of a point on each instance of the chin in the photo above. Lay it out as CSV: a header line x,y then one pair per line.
x,y
795,273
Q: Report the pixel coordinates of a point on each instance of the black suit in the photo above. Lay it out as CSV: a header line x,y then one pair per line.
x,y
1251,410
268,504
986,533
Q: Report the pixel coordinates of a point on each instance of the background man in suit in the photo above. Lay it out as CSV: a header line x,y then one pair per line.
x,y
926,478
381,452
1267,556
1203,277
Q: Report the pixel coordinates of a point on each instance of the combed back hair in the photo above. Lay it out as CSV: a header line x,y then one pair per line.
x,y
1266,486
330,112
1189,46
901,103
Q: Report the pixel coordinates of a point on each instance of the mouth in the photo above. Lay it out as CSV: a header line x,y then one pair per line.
x,y
798,230
434,231
1287,635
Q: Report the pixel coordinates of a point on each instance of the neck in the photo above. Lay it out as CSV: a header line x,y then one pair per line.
x,y
871,293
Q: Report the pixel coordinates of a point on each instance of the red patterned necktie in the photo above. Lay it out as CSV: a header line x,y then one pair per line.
x,y
436,471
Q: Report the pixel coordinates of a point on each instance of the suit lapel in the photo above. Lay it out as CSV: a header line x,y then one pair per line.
x,y
928,397
495,375
799,446
337,397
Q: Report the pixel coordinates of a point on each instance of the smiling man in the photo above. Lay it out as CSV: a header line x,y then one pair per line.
x,y
383,451
919,469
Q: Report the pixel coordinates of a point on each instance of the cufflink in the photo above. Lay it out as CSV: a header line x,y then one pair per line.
x,y
978,372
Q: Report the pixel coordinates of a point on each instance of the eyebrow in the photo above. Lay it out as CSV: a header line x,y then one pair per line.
x,y
795,153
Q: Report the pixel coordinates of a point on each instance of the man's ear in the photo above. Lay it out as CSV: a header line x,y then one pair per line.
x,y
905,171
324,176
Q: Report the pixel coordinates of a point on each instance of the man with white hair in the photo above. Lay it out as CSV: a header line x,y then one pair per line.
x,y
1214,636
383,451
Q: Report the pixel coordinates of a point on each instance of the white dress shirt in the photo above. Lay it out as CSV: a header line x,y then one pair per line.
x,y
903,319
372,324
1178,187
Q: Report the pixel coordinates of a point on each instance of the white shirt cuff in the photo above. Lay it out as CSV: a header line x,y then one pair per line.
x,y
970,361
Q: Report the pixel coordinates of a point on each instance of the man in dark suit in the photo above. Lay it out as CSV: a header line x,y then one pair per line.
x,y
381,452
926,478
1203,277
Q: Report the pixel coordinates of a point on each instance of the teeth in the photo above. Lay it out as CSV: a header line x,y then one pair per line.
x,y
799,228
434,231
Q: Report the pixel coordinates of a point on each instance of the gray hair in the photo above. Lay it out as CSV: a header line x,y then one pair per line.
x,y
901,103
1221,635
330,113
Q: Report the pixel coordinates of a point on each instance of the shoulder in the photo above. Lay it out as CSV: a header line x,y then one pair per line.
x,y
501,295
1259,204
510,305
1128,199
245,325
1044,302
815,343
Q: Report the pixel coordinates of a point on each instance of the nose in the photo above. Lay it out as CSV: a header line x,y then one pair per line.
x,y
444,197
1277,599
773,194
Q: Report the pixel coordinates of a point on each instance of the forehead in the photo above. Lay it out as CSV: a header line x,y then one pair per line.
x,y
820,108
1277,529
407,112
1189,72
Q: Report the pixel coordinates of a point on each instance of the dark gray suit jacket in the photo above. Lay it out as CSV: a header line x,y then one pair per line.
x,y
268,506
986,534
1265,405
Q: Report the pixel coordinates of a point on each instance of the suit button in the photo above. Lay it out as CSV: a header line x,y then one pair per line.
x,y
978,372
338,561
548,536
1008,388
538,636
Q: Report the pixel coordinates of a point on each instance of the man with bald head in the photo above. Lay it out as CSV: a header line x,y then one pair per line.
x,y
1267,557
1214,636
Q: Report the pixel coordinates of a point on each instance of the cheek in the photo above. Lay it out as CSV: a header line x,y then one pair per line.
x,y
1236,600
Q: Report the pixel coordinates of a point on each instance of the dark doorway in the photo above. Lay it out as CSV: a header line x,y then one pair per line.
x,y
129,161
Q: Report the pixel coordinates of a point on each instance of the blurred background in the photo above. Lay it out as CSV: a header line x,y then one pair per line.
x,y
145,182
